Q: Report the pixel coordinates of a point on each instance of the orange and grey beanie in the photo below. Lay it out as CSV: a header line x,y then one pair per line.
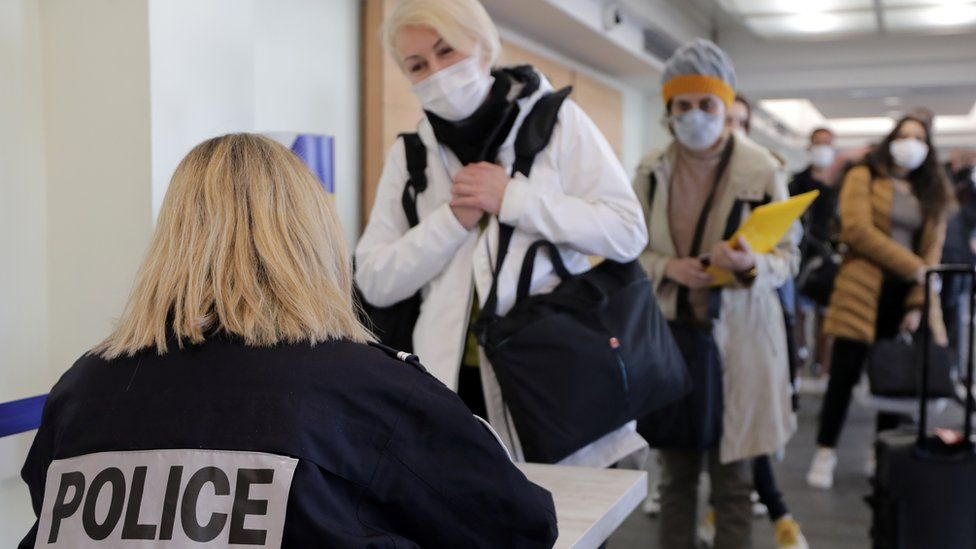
x,y
699,67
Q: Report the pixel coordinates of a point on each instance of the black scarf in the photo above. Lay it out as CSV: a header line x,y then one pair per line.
x,y
478,137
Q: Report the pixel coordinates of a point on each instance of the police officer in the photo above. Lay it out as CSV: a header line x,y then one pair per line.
x,y
238,403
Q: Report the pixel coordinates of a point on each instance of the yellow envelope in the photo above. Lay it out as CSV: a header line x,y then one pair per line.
x,y
765,228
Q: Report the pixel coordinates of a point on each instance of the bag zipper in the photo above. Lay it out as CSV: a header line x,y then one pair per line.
x,y
615,348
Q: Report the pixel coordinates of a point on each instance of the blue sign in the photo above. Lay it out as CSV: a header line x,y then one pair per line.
x,y
19,416
316,151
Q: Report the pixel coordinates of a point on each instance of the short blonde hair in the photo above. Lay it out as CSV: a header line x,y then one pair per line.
x,y
464,24
247,243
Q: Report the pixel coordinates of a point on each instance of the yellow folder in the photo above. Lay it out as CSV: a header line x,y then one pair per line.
x,y
765,228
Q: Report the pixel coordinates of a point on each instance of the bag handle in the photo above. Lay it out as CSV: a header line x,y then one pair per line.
x,y
528,265
930,274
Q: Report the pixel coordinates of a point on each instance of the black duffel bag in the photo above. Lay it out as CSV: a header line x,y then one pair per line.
x,y
695,421
583,360
895,368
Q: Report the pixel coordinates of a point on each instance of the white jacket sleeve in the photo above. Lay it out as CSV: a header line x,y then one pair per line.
x,y
591,206
394,261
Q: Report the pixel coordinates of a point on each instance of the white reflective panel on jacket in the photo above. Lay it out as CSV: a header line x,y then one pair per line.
x,y
577,197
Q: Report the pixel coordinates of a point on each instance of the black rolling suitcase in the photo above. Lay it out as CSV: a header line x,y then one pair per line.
x,y
924,489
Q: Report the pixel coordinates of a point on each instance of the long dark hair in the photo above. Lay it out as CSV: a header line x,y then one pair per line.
x,y
929,183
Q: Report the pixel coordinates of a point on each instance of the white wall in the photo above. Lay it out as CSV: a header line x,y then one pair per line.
x,y
201,78
74,195
24,366
256,65
308,79
96,127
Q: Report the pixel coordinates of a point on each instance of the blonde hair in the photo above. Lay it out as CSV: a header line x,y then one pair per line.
x,y
247,243
464,24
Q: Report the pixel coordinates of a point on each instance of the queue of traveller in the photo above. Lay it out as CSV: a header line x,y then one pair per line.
x,y
242,358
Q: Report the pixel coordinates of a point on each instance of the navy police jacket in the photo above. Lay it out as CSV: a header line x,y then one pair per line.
x,y
223,445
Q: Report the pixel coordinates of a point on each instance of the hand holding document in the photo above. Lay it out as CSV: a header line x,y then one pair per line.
x,y
764,229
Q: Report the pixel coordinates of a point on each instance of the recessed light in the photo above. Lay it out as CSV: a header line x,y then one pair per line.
x,y
950,15
815,22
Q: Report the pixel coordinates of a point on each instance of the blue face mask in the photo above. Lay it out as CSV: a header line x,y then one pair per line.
x,y
697,129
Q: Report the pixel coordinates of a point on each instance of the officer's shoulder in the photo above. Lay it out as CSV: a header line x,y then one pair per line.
x,y
375,364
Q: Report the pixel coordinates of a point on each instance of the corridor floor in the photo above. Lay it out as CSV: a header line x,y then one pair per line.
x,y
835,519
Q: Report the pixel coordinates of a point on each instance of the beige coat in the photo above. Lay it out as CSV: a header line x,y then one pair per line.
x,y
758,417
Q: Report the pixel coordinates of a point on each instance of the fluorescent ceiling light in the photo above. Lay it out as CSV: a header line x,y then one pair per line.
x,y
800,115
950,15
814,24
747,7
872,125
946,16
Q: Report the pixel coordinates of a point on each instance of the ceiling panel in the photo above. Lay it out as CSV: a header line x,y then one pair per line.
x,y
806,19
943,102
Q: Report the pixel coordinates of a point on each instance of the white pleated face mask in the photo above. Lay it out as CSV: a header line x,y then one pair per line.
x,y
908,153
822,156
456,92
697,129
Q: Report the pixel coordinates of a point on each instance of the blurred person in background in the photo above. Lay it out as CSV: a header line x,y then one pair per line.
x,y
819,228
960,248
893,213
692,195
767,493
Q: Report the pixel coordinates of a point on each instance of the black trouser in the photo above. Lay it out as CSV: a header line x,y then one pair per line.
x,y
765,484
847,363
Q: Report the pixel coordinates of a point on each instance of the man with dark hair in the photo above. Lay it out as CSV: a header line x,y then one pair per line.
x,y
960,245
818,224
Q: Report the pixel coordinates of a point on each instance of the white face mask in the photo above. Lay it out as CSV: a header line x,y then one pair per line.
x,y
456,92
908,153
822,156
697,129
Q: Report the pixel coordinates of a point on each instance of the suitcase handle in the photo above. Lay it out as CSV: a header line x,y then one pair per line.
x,y
930,274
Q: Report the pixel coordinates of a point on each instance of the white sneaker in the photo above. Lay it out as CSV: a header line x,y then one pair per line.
x,y
821,473
758,509
652,504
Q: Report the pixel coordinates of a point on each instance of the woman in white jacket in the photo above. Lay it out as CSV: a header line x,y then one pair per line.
x,y
577,197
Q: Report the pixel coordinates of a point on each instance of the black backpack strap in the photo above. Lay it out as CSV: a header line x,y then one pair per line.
x,y
416,154
532,138
651,191
685,311
735,217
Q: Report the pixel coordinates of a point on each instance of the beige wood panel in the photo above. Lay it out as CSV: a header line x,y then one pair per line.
x,y
371,114
604,105
558,74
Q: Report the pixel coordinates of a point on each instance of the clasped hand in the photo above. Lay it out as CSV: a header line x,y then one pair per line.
x,y
478,189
